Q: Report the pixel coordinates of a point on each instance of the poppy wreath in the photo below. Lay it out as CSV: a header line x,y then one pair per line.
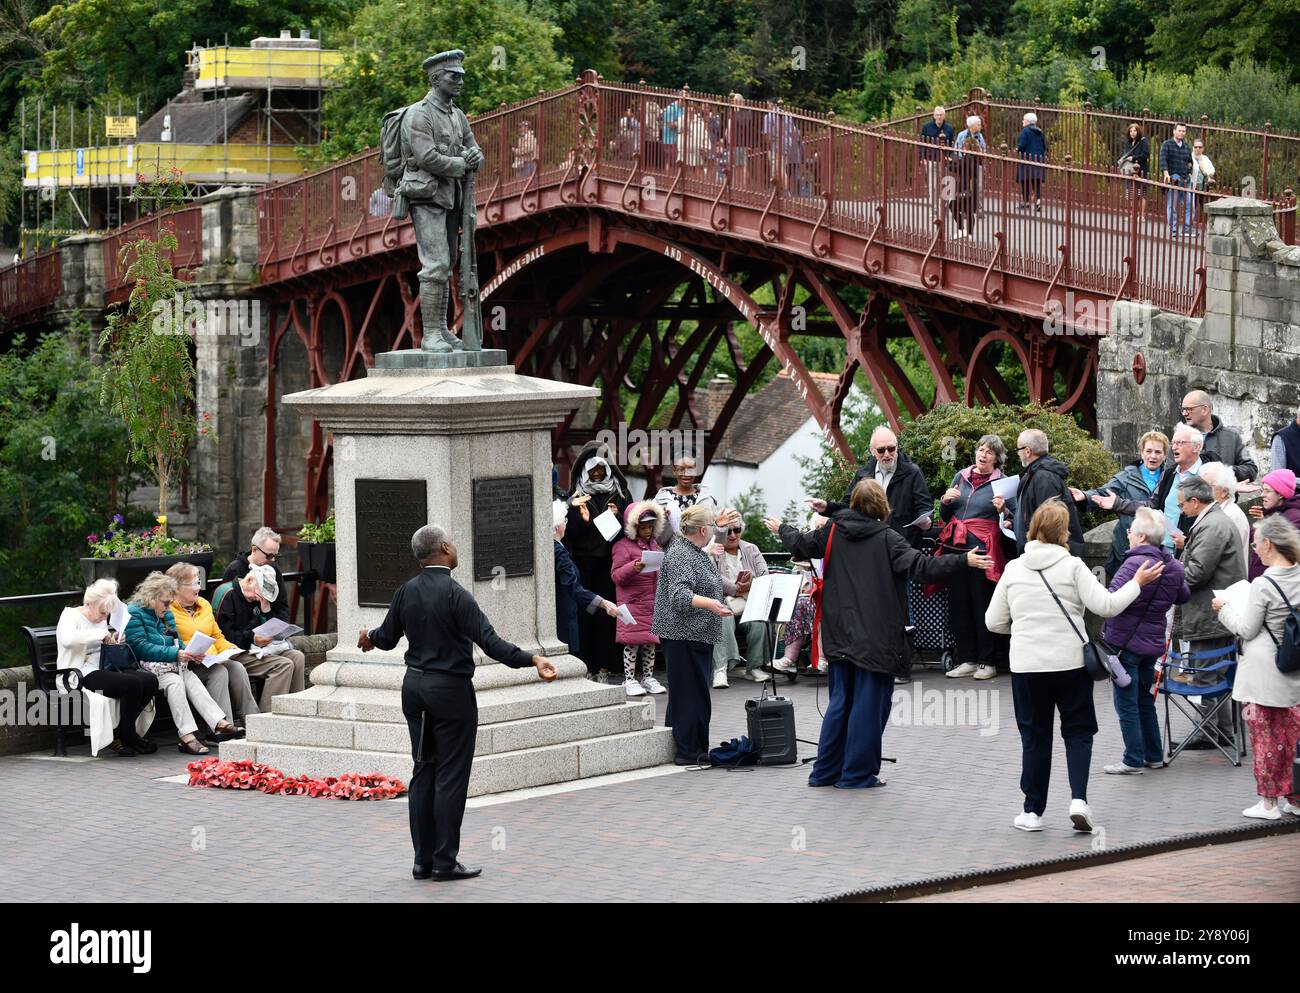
x,y
257,776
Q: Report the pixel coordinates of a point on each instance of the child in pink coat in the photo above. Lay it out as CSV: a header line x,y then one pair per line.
x,y
644,522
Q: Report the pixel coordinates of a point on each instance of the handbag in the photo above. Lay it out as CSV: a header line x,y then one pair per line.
x,y
118,658
1287,658
1094,653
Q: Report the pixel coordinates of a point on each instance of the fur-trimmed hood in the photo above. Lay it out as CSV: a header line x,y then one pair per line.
x,y
634,513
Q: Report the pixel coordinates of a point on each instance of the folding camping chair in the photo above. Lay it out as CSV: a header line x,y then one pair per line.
x,y
1214,697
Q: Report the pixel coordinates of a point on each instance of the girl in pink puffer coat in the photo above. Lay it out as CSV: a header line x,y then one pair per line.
x,y
644,522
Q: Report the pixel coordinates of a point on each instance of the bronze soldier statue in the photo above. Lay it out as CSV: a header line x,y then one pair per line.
x,y
439,149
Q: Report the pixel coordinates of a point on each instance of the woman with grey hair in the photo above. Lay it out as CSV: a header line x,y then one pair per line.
x,y
1271,696
81,634
1223,484
1138,632
968,166
1032,147
688,603
970,513
151,633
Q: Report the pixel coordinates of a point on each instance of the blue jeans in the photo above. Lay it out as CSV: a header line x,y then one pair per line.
x,y
1136,710
1171,204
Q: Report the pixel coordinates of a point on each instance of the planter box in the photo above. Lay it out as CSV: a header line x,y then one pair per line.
x,y
318,556
130,571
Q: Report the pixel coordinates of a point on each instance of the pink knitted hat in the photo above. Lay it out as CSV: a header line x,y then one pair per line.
x,y
1281,480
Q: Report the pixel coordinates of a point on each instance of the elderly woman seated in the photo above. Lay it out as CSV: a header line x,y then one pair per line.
x,y
81,634
249,606
225,680
151,633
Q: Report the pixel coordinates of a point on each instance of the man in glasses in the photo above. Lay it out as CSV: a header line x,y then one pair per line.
x,y
740,564
264,550
910,502
1225,443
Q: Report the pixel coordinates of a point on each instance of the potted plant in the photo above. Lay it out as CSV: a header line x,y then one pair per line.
x,y
316,549
129,554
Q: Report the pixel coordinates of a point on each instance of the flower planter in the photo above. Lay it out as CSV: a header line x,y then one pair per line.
x,y
318,556
130,571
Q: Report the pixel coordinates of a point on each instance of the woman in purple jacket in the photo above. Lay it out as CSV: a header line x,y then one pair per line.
x,y
1139,634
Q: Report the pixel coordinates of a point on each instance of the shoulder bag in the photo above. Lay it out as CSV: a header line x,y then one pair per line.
x,y
1094,653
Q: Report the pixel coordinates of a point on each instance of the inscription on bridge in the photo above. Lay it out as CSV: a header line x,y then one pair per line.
x,y
389,511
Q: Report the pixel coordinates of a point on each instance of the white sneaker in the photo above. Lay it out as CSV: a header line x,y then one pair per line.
x,y
784,665
633,688
1120,769
1081,815
1027,821
1263,813
985,672
652,685
1289,808
757,675
720,680
965,669
1154,765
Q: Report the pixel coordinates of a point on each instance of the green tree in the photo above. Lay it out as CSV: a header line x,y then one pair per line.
x,y
1191,34
510,55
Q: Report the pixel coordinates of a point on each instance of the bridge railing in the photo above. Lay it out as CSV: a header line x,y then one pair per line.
x,y
30,285
186,223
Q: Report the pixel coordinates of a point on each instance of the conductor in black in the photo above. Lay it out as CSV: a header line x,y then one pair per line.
x,y
441,622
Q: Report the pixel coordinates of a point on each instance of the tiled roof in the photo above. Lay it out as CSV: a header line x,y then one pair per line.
x,y
200,122
765,420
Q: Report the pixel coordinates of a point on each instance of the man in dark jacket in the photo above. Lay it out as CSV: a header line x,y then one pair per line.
x,y
1284,448
1223,442
904,483
1044,478
265,550
1176,170
864,606
937,134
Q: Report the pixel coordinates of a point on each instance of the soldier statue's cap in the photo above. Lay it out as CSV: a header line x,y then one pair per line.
x,y
453,60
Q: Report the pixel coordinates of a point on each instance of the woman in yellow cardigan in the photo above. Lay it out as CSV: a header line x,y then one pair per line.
x,y
227,681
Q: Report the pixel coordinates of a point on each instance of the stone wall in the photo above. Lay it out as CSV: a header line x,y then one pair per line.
x,y
1245,351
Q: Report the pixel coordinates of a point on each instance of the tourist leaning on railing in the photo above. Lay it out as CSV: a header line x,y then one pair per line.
x,y
81,633
151,633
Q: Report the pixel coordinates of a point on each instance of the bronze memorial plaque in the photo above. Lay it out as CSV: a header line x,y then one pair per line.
x,y
389,511
503,527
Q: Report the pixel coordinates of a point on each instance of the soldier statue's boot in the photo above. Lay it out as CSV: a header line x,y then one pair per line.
x,y
433,315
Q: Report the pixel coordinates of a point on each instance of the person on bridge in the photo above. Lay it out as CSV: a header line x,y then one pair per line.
x,y
937,133
867,566
970,512
439,149
1044,478
969,168
1040,601
441,624
904,483
1225,443
1176,170
1135,159
1032,146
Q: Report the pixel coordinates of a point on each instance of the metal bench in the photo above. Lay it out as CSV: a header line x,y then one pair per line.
x,y
43,649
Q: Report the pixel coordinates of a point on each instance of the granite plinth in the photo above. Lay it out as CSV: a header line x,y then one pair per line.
x,y
417,359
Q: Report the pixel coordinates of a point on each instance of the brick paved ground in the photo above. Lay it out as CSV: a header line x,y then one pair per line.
x,y
759,834
1265,870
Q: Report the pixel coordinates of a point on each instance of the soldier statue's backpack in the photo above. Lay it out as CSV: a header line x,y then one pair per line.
x,y
391,157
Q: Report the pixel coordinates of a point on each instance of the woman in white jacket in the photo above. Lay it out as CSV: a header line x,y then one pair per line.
x,y
1272,697
1047,672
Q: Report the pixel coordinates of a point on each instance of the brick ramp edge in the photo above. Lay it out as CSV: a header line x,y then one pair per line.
x,y
952,882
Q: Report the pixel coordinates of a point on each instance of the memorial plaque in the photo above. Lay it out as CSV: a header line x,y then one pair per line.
x,y
503,527
389,511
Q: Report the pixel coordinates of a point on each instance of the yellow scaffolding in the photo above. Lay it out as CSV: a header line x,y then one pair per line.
x,y
121,165
255,68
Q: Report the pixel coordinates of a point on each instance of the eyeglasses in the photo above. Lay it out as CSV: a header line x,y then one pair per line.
x,y
886,449
1188,410
270,556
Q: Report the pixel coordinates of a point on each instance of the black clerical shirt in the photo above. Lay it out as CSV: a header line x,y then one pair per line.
x,y
440,620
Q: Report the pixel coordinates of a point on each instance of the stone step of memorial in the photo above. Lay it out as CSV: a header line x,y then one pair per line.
x,y
505,736
497,772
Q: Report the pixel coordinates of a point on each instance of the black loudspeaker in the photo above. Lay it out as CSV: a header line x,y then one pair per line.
x,y
771,729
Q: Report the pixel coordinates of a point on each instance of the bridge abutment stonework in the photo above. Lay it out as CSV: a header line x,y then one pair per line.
x,y
1245,351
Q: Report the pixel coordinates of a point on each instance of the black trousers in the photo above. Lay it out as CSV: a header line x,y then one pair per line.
x,y
969,594
690,672
1037,696
132,690
596,631
447,706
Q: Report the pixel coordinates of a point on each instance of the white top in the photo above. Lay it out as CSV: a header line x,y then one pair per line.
x,y
883,476
1041,637
79,640
1238,518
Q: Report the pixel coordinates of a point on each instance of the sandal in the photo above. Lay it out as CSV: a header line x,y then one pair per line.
x,y
191,748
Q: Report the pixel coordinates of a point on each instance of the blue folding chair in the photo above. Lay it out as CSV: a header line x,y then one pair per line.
x,y
1214,696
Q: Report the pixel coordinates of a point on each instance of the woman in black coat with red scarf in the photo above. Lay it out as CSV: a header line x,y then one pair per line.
x,y
866,565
